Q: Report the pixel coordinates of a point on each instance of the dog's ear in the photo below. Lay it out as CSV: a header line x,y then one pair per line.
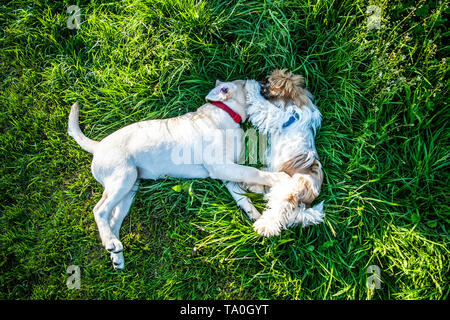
x,y
218,82
221,92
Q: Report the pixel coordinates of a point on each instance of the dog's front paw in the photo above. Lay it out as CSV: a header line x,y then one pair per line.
x,y
114,246
267,227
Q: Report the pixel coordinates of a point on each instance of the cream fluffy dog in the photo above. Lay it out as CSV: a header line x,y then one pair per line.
x,y
291,120
150,150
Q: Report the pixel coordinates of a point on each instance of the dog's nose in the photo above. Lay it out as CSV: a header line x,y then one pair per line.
x,y
263,90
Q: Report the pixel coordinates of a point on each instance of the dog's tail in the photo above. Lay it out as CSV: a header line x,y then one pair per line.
x,y
75,132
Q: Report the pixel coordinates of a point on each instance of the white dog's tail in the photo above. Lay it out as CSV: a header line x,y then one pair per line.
x,y
75,132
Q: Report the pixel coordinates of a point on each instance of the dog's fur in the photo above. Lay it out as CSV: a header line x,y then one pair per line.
x,y
292,150
145,150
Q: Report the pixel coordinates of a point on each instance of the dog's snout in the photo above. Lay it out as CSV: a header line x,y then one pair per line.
x,y
264,90
262,85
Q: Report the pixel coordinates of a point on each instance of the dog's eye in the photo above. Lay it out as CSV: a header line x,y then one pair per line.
x,y
224,90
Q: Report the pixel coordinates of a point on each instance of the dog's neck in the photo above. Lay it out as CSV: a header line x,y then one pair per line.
x,y
237,107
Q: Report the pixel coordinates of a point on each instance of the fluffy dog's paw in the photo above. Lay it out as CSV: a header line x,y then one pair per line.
x,y
118,260
114,246
266,227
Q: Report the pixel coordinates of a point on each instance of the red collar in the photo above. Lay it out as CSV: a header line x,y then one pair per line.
x,y
236,116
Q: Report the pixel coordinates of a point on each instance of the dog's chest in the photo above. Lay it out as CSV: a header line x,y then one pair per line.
x,y
292,137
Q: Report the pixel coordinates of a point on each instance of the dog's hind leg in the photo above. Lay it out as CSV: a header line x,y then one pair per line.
x,y
286,206
282,201
118,215
117,186
242,201
121,210
100,202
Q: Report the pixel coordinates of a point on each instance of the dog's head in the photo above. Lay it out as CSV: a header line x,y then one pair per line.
x,y
284,86
227,91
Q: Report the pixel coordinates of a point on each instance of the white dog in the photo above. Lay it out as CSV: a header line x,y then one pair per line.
x,y
150,150
291,120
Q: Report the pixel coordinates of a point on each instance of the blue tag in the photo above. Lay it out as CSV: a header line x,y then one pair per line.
x,y
291,120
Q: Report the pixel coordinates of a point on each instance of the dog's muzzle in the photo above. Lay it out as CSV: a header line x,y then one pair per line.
x,y
265,92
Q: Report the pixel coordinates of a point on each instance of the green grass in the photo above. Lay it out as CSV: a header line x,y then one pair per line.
x,y
384,145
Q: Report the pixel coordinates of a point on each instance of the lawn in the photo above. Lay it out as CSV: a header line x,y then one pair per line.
x,y
379,72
